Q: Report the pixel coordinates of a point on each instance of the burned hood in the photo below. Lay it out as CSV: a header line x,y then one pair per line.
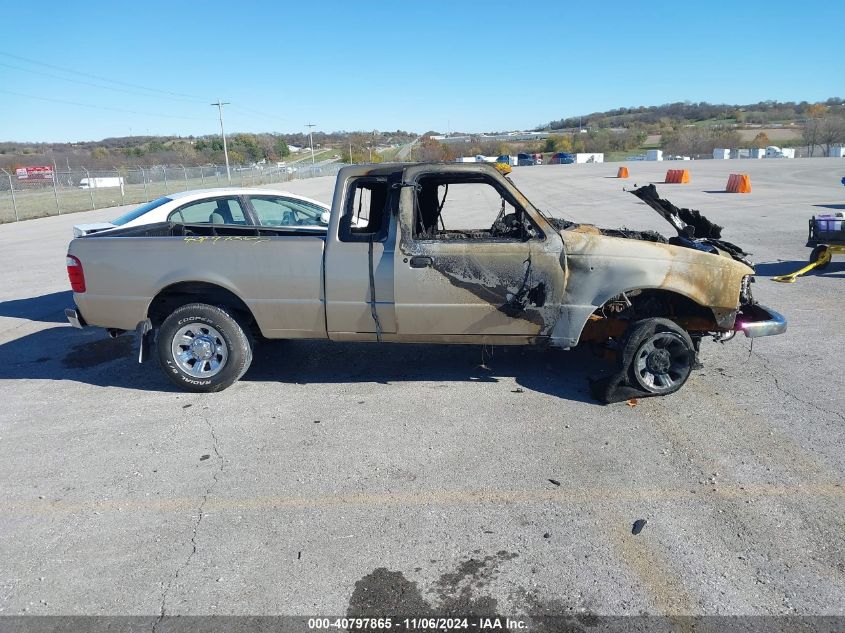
x,y
694,230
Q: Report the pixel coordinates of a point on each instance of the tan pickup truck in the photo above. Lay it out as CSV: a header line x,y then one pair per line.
x,y
423,253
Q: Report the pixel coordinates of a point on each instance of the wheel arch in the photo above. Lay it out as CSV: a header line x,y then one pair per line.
x,y
647,302
671,300
182,293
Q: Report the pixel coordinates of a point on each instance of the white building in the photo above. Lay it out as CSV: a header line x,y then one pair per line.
x,y
756,152
837,151
654,154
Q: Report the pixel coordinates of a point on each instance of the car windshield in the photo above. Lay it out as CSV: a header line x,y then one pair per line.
x,y
138,212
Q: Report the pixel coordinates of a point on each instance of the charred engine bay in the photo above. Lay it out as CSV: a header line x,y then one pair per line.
x,y
694,229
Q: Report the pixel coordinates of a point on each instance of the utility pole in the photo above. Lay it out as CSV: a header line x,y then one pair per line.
x,y
220,105
311,127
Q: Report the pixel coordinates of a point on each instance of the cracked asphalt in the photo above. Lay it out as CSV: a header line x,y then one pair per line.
x,y
352,479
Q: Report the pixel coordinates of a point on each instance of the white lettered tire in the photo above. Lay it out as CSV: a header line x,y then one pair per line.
x,y
203,348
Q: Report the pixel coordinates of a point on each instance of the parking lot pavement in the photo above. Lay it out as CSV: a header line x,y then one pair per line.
x,y
333,474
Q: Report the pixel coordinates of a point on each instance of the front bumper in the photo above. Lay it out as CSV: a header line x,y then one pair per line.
x,y
755,320
74,318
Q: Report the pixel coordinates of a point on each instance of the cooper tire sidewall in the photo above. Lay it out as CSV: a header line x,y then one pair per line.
x,y
224,323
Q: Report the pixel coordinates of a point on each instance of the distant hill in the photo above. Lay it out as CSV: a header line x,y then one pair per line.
x,y
656,118
147,151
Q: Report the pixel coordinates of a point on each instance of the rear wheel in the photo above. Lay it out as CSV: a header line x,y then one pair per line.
x,y
203,348
659,355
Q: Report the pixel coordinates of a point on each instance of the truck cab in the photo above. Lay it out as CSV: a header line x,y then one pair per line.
x,y
456,254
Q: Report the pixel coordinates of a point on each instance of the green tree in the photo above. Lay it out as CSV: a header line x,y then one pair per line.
x,y
247,145
281,147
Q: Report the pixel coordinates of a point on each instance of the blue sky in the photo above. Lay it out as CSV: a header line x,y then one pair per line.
x,y
154,67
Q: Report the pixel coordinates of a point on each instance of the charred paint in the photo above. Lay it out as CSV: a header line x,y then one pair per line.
x,y
530,294
517,298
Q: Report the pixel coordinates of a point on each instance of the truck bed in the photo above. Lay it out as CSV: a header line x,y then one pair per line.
x,y
174,229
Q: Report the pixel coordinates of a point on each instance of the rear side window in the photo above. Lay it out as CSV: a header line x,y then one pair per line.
x,y
134,214
217,211
367,213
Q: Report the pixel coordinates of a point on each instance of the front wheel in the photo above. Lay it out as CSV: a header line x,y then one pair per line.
x,y
203,348
659,356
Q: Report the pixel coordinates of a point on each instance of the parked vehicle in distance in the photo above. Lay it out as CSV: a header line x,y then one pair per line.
x,y
230,205
562,158
423,253
525,160
101,183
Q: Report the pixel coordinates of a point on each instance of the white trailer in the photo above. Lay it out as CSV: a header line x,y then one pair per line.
x,y
589,158
837,151
101,183
721,153
654,154
756,152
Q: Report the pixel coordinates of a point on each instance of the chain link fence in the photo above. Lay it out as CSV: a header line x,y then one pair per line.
x,y
80,189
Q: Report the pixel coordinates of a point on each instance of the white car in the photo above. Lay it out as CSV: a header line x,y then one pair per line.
x,y
230,205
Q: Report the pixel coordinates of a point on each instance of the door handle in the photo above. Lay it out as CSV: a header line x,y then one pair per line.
x,y
421,262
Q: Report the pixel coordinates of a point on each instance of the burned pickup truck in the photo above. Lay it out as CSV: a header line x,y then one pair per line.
x,y
424,253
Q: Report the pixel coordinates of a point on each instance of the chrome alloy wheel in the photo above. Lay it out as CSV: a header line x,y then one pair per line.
x,y
199,350
662,362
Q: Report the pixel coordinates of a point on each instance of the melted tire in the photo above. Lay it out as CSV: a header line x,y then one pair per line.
x,y
234,334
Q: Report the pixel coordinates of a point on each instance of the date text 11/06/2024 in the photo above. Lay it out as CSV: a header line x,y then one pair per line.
x,y
424,623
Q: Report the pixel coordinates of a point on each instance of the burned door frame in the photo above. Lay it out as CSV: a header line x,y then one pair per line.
x,y
494,290
358,269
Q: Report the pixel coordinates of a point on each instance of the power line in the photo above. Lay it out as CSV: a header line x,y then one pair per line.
x,y
81,82
99,77
257,113
91,105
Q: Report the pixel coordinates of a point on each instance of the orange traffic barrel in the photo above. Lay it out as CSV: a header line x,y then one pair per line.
x,y
739,183
677,176
622,173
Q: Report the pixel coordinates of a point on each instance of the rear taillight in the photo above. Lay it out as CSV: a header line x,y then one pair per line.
x,y
75,274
